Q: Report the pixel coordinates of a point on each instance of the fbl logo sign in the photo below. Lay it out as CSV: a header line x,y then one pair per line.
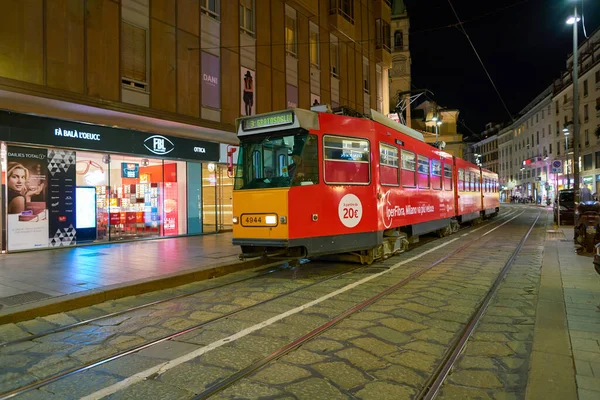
x,y
159,145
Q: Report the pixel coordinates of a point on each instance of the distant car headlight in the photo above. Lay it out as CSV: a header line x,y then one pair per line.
x,y
235,220
271,220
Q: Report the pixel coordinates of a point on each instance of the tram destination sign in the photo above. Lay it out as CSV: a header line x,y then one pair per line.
x,y
268,121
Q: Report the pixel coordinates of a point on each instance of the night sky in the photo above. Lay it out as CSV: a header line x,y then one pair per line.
x,y
524,45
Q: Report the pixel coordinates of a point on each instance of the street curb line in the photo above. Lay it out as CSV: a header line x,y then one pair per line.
x,y
91,297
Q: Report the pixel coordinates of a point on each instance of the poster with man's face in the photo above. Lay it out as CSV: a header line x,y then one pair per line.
x,y
26,200
248,84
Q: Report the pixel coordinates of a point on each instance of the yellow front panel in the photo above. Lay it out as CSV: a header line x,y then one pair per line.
x,y
252,208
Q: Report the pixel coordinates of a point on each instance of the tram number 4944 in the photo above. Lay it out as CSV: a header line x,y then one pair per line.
x,y
253,220
351,213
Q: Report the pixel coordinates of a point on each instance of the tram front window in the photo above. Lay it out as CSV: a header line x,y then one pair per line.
x,y
277,161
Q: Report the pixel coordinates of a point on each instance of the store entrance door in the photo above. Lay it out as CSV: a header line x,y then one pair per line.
x,y
224,199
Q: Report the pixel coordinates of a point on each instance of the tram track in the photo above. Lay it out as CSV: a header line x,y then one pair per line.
x,y
272,268
88,366
224,384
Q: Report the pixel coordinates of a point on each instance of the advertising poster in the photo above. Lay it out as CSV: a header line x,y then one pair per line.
x,y
211,81
27,196
171,218
292,96
247,86
61,176
315,100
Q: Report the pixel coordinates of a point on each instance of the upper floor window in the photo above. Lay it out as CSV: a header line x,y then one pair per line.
x,y
382,35
247,17
366,75
314,44
556,106
585,88
345,8
398,40
290,31
334,55
212,8
133,56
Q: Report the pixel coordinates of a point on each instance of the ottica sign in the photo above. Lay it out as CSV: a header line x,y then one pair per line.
x,y
267,121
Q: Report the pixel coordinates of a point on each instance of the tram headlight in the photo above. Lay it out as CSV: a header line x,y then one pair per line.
x,y
283,219
235,220
271,220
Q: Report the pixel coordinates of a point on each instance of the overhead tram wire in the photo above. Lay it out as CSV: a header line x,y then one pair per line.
x,y
480,60
448,26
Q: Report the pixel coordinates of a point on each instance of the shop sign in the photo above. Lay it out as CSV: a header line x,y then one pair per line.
x,y
159,145
20,128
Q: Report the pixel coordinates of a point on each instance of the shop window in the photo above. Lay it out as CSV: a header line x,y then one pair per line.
x,y
194,198
408,169
461,179
346,160
447,176
436,174
423,172
212,8
388,165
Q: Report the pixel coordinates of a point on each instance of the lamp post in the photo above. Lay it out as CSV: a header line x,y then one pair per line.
x,y
566,132
574,20
438,123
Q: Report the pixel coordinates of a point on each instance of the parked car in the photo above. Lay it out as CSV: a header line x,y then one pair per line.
x,y
567,207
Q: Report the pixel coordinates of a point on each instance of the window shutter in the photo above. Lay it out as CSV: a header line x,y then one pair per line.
x,y
133,52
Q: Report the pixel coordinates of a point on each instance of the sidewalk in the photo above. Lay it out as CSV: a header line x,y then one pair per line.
x,y
42,282
566,349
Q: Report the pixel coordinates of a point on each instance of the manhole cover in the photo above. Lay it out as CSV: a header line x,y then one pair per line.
x,y
23,298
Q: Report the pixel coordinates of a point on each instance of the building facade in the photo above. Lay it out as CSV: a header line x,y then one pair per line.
x,y
137,99
400,74
543,133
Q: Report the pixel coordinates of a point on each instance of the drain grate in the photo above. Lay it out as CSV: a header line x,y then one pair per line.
x,y
23,298
555,235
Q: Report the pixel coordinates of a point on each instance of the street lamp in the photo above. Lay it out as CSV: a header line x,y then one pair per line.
x,y
566,132
438,123
573,20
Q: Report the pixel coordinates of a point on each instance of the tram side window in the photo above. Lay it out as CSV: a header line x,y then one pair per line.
x,y
447,176
436,174
469,185
484,185
477,181
408,169
461,179
388,165
346,160
423,173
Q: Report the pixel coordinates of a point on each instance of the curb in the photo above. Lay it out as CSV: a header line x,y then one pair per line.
x,y
113,292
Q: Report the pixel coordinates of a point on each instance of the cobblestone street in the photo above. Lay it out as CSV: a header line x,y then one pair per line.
x,y
390,349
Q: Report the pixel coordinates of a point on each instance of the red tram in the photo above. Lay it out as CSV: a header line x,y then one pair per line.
x,y
314,183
